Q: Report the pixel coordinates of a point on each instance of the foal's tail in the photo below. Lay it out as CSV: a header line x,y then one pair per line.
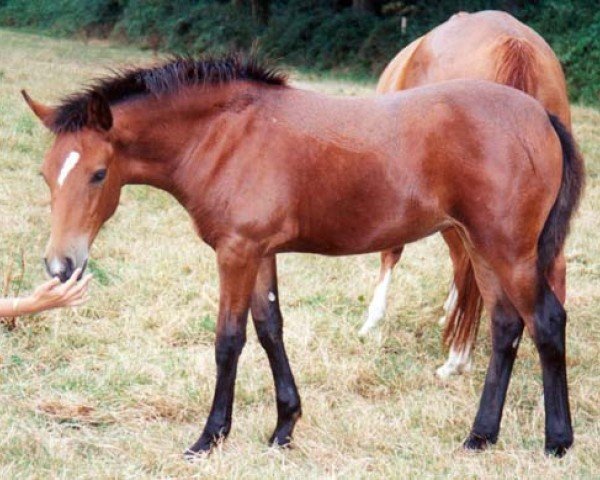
x,y
463,322
556,228
516,65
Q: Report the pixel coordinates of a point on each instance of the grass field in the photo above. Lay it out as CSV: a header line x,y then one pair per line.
x,y
118,388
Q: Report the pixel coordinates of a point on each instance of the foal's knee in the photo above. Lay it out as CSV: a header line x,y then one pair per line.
x,y
550,324
229,346
268,323
507,329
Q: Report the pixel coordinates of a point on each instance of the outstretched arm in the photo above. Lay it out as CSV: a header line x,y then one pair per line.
x,y
49,295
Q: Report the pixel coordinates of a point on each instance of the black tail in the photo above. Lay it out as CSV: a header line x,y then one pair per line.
x,y
556,228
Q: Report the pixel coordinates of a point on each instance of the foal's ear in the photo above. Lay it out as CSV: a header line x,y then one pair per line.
x,y
99,116
43,112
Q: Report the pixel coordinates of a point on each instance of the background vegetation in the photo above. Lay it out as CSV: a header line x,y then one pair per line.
x,y
356,36
118,388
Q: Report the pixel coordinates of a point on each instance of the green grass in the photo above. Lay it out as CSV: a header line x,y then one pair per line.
x,y
118,388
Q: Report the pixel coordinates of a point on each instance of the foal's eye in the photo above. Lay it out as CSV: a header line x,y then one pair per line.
x,y
99,175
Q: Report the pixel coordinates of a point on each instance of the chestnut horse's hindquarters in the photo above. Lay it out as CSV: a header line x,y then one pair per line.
x,y
523,297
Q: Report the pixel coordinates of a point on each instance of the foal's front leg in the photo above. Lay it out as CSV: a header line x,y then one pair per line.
x,y
237,275
269,328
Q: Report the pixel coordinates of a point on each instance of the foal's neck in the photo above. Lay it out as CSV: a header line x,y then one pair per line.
x,y
170,142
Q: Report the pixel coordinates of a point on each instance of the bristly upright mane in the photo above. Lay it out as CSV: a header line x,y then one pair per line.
x,y
71,114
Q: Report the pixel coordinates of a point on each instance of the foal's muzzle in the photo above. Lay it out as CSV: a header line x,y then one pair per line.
x,y
63,268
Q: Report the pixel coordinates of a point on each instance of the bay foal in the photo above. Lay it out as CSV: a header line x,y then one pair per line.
x,y
264,168
488,45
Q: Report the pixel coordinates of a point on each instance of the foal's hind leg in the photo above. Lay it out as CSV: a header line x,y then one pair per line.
x,y
507,328
548,328
268,322
545,319
389,259
557,277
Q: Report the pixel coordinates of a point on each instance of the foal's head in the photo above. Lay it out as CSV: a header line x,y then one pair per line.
x,y
87,163
84,181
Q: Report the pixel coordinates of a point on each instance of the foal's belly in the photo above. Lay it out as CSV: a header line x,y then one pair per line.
x,y
347,233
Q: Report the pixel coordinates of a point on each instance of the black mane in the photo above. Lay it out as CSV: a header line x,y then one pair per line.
x,y
71,114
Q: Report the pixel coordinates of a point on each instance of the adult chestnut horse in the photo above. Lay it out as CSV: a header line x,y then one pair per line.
x,y
264,168
492,46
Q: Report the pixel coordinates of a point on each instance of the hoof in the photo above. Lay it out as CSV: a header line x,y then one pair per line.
x,y
280,441
364,330
191,456
282,436
455,366
477,443
203,446
558,449
446,371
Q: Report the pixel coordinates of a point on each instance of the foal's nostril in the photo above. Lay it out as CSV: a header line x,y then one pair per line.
x,y
69,268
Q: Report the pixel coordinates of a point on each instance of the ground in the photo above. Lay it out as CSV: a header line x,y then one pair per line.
x,y
119,388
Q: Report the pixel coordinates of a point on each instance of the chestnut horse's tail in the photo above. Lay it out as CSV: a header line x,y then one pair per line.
x,y
556,228
517,65
463,322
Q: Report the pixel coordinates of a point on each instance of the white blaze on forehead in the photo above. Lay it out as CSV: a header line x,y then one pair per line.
x,y
70,162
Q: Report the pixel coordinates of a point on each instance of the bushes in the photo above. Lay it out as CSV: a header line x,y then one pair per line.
x,y
63,17
321,34
573,29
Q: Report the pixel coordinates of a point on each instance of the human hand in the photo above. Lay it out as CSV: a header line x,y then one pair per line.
x,y
53,294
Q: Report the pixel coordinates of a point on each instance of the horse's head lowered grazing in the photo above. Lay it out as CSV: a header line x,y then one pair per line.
x,y
96,152
84,181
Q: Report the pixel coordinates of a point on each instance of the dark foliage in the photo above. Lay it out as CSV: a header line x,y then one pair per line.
x,y
345,35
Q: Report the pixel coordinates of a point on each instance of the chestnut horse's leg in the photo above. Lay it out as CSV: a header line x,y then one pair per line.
x,y
237,275
457,255
269,328
389,259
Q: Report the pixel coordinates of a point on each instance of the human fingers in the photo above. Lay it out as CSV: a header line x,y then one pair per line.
x,y
80,287
78,301
70,282
49,285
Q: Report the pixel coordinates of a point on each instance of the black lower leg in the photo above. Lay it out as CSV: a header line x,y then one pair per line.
x,y
550,325
507,329
269,328
227,351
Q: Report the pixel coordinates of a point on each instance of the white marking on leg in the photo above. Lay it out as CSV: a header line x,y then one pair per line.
x,y
458,362
516,341
449,304
378,304
271,296
69,165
